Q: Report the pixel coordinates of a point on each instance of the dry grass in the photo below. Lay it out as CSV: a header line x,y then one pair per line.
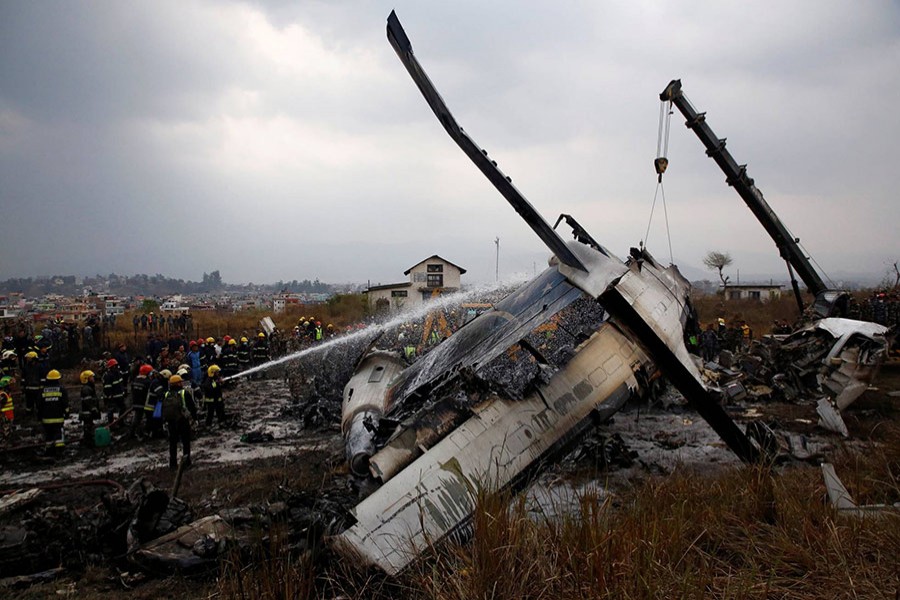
x,y
273,571
758,315
746,533
341,310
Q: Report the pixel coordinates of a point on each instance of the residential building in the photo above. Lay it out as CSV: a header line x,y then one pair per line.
x,y
431,277
761,291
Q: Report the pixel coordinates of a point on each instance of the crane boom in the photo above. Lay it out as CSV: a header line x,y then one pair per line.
x,y
736,176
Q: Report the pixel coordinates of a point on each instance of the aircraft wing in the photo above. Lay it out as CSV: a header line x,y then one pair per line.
x,y
479,156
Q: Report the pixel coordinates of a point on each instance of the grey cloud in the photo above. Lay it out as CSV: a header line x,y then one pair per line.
x,y
157,137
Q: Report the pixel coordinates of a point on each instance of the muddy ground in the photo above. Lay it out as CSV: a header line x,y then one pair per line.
x,y
639,442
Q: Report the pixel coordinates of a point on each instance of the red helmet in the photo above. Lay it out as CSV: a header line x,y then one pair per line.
x,y
194,343
111,363
226,338
145,369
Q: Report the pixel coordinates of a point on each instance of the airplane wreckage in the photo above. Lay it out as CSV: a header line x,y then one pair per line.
x,y
425,437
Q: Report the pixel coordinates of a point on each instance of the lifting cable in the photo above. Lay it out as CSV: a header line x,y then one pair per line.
x,y
660,164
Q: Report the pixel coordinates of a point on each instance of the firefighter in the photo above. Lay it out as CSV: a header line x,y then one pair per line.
x,y
212,395
177,408
33,377
746,336
190,390
90,406
52,408
207,354
244,354
318,331
113,390
260,350
6,401
9,363
156,391
139,388
228,359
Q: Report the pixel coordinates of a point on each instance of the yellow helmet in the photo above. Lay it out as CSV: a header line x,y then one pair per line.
x,y
261,334
210,340
232,342
212,370
244,340
31,354
175,380
86,375
53,375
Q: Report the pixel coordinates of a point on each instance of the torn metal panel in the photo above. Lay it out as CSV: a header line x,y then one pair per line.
x,y
830,418
267,325
496,447
843,502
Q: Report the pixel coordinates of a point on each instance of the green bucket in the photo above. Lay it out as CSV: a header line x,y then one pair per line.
x,y
101,437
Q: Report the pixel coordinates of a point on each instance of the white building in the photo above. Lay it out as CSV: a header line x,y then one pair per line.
x,y
173,305
762,292
431,277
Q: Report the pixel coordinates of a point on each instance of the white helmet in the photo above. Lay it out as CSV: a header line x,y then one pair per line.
x,y
8,354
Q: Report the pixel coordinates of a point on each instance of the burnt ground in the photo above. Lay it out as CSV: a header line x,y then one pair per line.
x,y
638,443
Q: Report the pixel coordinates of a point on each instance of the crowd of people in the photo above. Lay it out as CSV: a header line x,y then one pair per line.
x,y
167,387
170,366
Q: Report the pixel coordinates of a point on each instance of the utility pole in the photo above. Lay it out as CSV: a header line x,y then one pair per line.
x,y
497,273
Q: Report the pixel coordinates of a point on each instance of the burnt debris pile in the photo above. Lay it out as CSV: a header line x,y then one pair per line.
x,y
46,531
830,362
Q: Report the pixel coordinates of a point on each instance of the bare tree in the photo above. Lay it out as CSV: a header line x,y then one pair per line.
x,y
716,261
896,275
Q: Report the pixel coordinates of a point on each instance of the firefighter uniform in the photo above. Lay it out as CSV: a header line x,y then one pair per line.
x,y
32,375
212,396
244,354
177,422
52,408
113,389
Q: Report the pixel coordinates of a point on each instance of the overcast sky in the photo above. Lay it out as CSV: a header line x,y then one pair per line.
x,y
284,139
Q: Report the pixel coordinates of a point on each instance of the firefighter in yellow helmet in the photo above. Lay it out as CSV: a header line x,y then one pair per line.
x,y
244,354
177,408
32,376
52,408
260,350
212,396
90,406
